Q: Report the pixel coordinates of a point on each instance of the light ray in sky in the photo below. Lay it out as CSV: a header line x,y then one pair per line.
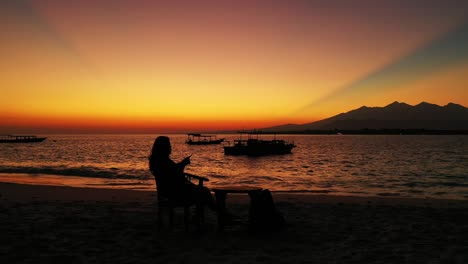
x,y
450,50
24,11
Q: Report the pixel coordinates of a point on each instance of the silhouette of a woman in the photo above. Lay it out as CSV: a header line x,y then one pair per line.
x,y
170,179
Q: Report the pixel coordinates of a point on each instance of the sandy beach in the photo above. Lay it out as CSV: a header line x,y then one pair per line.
x,y
55,224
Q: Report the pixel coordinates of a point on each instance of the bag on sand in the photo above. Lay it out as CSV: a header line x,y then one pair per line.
x,y
263,214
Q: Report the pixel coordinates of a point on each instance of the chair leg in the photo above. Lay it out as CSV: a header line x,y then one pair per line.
x,y
200,213
171,217
170,211
160,216
187,218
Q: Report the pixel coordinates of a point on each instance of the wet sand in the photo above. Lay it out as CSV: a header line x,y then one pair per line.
x,y
50,224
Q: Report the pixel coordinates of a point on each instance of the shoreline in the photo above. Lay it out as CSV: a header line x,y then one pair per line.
x,y
149,185
31,192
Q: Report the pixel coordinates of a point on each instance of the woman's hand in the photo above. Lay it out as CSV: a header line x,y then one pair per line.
x,y
186,161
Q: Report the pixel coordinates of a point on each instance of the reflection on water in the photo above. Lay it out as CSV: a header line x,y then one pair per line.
x,y
416,166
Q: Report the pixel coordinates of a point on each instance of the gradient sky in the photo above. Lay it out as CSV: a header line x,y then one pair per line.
x,y
160,66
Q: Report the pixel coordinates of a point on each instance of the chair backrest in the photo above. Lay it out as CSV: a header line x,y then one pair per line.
x,y
166,194
159,188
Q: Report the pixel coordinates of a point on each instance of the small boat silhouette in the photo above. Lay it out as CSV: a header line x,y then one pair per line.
x,y
199,139
20,139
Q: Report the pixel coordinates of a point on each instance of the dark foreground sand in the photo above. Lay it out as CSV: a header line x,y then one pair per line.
x,y
47,224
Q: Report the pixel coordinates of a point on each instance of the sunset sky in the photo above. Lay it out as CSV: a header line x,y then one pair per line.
x,y
173,66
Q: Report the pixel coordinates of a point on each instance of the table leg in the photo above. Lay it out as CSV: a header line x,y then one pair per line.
x,y
221,202
253,203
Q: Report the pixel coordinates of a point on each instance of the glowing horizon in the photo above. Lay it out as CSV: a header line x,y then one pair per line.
x,y
221,65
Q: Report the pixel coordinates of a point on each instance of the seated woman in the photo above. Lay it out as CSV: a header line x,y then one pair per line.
x,y
170,179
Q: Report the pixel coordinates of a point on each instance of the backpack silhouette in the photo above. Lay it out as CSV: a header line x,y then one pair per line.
x,y
263,215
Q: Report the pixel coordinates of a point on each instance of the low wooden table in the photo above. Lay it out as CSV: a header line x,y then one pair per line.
x,y
221,195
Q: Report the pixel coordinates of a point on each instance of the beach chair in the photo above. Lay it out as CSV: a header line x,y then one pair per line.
x,y
167,205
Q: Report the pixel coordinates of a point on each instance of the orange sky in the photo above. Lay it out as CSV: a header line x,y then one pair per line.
x,y
144,66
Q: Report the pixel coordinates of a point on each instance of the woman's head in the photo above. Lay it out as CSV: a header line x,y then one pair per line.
x,y
161,147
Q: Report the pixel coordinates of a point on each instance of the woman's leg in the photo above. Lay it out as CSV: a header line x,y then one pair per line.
x,y
204,196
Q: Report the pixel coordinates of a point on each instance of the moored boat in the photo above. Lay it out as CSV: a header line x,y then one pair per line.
x,y
239,147
20,139
258,147
199,139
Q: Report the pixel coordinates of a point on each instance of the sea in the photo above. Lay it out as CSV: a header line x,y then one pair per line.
x,y
422,166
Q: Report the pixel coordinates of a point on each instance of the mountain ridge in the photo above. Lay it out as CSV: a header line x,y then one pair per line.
x,y
397,115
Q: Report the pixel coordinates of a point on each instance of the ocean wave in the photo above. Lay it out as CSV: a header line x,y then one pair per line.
x,y
433,184
388,194
217,176
303,191
83,171
270,178
453,184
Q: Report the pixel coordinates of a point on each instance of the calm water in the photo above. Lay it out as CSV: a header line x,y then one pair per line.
x,y
406,166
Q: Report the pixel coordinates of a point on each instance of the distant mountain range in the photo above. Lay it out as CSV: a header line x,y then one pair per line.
x,y
393,116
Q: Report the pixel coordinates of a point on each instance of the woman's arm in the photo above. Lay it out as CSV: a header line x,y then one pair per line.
x,y
170,170
184,163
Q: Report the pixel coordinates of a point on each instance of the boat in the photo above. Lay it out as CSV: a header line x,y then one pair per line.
x,y
258,147
20,139
199,139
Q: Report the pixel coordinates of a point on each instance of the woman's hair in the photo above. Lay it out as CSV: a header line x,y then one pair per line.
x,y
161,149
